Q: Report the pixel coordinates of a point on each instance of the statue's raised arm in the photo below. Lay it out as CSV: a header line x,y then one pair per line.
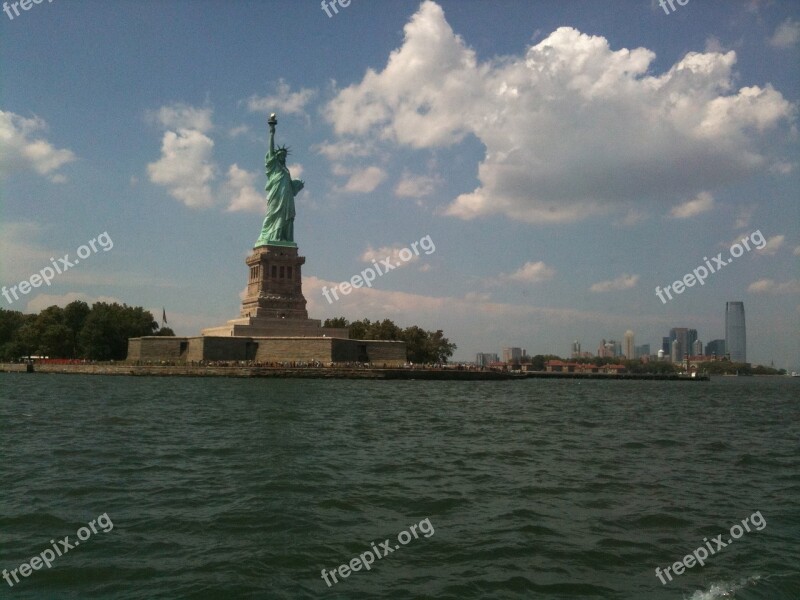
x,y
278,227
273,121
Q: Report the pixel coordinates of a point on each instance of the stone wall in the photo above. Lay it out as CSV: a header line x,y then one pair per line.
x,y
221,348
156,348
386,352
265,350
293,349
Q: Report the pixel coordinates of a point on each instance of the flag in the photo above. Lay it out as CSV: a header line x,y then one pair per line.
x,y
163,316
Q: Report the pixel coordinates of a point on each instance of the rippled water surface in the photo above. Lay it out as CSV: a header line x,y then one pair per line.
x,y
222,488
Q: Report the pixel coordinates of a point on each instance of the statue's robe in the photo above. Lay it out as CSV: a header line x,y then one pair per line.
x,y
281,190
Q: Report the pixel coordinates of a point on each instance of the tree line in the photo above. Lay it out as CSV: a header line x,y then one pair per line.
x,y
75,331
422,347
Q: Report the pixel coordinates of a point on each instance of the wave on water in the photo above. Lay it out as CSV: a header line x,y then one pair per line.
x,y
723,590
771,587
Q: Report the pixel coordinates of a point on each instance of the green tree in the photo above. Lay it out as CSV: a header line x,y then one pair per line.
x,y
46,334
441,348
336,322
358,329
11,322
75,314
418,344
421,346
107,328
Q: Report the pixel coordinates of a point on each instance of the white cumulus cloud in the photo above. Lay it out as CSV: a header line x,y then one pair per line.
x,y
186,167
182,116
698,205
532,272
364,181
572,127
786,35
416,186
241,191
773,244
23,149
623,282
390,252
284,100
770,286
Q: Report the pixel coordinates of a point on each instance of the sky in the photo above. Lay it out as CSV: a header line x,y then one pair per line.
x,y
566,160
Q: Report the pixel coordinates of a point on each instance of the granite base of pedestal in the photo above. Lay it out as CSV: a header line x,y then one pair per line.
x,y
265,350
275,327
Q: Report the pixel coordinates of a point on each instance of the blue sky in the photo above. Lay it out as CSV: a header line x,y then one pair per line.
x,y
564,157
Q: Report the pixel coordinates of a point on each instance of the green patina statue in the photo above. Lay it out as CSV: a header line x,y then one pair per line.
x,y
278,227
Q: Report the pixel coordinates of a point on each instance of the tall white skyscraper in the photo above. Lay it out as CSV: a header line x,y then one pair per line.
x,y
630,347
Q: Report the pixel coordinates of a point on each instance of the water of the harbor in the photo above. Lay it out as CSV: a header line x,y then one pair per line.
x,y
234,488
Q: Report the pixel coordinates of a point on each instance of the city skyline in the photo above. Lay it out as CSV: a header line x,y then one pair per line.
x,y
680,343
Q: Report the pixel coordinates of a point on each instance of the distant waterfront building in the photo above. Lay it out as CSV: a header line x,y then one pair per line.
x,y
630,347
691,338
675,354
513,355
641,351
484,359
685,338
735,333
697,348
609,349
716,348
576,349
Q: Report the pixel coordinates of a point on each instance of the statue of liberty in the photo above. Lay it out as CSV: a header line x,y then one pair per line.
x,y
278,227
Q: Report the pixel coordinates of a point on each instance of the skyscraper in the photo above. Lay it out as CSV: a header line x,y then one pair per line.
x,y
735,334
513,355
484,359
715,348
630,347
686,339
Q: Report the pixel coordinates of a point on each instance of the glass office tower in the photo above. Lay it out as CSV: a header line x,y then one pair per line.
x,y
735,336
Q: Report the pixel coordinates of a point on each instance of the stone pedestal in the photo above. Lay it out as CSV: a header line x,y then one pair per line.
x,y
274,305
274,287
